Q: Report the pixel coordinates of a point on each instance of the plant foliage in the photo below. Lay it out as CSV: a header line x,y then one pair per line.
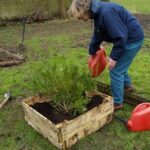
x,y
65,82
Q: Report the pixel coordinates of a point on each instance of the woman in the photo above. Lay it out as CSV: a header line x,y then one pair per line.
x,y
113,24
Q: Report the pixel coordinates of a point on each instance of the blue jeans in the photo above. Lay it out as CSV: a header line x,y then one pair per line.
x,y
119,74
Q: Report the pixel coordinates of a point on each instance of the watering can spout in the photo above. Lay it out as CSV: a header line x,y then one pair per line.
x,y
98,62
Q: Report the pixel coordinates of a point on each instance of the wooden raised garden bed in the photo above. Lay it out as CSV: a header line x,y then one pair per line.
x,y
66,133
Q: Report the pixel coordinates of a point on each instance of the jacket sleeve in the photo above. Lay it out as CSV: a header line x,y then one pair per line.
x,y
118,31
95,43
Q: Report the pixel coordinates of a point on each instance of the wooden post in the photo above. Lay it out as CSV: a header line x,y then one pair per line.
x,y
62,8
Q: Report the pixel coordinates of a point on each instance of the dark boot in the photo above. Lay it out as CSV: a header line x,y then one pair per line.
x,y
117,106
130,89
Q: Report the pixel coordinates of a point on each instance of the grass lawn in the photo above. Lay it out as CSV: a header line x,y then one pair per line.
x,y
135,6
69,39
45,41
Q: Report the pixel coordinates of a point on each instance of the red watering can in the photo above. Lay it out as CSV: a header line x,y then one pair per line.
x,y
97,62
140,118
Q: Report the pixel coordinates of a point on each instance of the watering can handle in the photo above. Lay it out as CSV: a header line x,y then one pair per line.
x,y
141,107
102,49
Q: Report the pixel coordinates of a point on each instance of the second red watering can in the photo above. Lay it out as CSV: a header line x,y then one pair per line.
x,y
98,62
140,118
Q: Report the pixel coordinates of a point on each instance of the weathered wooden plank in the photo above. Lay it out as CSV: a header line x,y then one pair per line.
x,y
67,133
10,63
33,100
97,113
42,125
130,98
76,123
91,127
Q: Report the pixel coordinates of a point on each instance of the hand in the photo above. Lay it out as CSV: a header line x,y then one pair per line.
x,y
111,63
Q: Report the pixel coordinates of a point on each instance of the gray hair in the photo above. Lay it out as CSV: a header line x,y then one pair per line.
x,y
79,8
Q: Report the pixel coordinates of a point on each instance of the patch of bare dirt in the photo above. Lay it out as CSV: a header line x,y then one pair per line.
x,y
69,27
74,26
145,21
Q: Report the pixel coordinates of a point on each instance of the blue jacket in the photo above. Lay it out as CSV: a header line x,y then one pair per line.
x,y
113,24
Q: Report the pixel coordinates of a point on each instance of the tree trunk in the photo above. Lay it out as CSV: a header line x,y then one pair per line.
x,y
62,8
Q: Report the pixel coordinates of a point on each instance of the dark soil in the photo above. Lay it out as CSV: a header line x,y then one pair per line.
x,y
49,112
95,101
57,117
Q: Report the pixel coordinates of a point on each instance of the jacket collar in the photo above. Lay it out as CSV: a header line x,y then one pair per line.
x,y
95,7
